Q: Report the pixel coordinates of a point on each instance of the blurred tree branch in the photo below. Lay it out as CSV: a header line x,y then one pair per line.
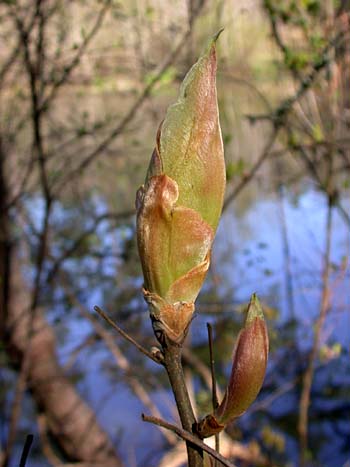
x,y
83,165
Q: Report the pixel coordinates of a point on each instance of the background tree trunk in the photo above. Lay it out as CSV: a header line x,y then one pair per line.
x,y
69,419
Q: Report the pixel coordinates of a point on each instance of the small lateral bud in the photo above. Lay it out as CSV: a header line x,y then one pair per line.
x,y
247,374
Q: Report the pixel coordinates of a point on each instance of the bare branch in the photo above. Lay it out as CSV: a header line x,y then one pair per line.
x,y
126,336
123,363
305,83
82,237
190,358
131,112
16,50
250,175
187,436
215,401
309,372
34,73
76,60
278,116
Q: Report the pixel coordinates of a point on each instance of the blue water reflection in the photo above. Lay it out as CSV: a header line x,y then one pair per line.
x,y
275,247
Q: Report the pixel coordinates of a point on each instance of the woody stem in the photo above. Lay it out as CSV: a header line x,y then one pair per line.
x,y
173,365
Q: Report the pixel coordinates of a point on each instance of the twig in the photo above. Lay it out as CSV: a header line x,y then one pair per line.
x,y
121,361
309,372
26,449
187,436
173,365
248,177
313,169
76,60
279,115
305,83
132,111
191,359
212,367
55,268
215,401
126,335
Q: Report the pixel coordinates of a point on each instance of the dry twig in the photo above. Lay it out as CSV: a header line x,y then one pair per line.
x,y
189,437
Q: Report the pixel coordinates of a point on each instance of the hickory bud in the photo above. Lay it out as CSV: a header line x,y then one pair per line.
x,y
179,206
247,374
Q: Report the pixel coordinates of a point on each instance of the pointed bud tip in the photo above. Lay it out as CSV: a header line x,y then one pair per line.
x,y
254,309
217,35
214,39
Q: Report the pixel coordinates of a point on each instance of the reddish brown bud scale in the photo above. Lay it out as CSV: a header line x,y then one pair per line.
x,y
247,374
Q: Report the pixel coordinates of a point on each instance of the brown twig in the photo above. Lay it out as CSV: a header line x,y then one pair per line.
x,y
212,366
172,362
250,175
132,111
126,335
309,372
215,401
189,437
55,268
323,186
191,359
120,359
76,59
46,102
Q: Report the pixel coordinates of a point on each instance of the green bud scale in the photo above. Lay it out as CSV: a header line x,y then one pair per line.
x,y
179,206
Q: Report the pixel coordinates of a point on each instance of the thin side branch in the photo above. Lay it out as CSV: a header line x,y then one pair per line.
x,y
121,361
305,397
76,243
212,367
250,175
215,401
131,112
187,436
126,335
77,58
200,368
